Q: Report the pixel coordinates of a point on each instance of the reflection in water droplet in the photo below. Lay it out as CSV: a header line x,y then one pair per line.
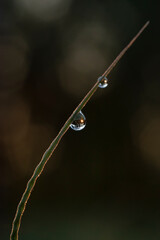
x,y
103,82
79,122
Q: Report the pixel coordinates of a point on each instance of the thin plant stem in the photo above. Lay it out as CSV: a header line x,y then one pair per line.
x,y
39,169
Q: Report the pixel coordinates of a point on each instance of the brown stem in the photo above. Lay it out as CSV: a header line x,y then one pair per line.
x,y
39,169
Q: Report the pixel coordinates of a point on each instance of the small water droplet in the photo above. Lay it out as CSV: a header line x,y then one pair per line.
x,y
103,82
79,122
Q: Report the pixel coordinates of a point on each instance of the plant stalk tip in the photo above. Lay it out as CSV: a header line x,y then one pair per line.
x,y
121,54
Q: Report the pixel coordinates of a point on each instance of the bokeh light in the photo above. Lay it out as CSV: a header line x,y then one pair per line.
x,y
146,133
43,10
85,57
14,64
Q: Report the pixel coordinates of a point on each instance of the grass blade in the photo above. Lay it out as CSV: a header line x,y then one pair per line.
x,y
39,169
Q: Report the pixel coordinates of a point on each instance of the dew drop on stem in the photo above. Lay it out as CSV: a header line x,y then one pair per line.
x,y
79,122
103,82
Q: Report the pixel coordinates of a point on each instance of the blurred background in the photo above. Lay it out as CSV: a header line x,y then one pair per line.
x,y
104,181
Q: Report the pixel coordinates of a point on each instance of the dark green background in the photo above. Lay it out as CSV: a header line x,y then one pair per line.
x,y
103,182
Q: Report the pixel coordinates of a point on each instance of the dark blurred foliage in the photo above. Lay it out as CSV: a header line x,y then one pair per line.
x,y
102,182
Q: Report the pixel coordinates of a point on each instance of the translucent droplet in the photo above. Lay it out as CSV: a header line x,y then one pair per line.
x,y
103,82
79,122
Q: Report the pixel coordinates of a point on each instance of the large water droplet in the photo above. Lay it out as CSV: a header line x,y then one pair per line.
x,y
103,82
79,122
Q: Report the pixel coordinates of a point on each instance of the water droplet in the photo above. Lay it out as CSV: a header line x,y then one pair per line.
x,y
103,82
79,122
